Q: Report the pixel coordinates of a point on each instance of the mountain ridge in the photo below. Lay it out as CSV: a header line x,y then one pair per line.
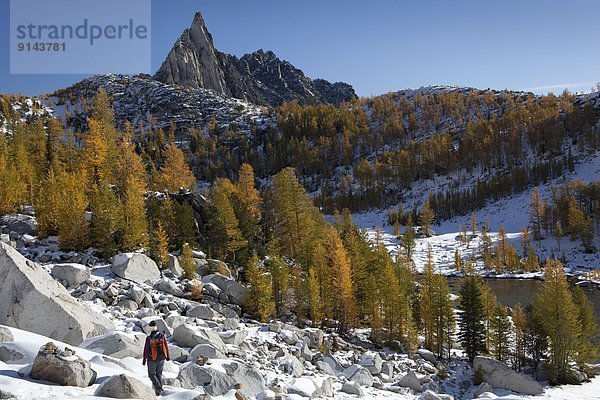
x,y
259,77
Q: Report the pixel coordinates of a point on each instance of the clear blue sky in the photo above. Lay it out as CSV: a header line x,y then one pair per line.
x,y
385,45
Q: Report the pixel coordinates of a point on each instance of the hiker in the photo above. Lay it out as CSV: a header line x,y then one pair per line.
x,y
156,352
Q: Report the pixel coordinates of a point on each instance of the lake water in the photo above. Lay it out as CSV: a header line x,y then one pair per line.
x,y
512,291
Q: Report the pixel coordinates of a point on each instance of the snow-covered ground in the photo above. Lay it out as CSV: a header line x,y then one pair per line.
x,y
29,389
512,213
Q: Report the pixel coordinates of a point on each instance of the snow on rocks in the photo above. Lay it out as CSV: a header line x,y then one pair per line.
x,y
62,367
117,344
168,286
372,362
32,300
311,387
359,375
501,376
352,388
410,380
20,223
187,336
234,337
135,267
6,335
205,350
219,377
235,292
203,311
123,386
71,274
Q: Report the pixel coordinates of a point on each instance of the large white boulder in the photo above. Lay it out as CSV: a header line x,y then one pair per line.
x,y
501,376
187,336
31,300
203,311
410,380
124,387
117,344
372,362
206,350
359,374
314,388
234,337
218,379
235,292
135,267
73,274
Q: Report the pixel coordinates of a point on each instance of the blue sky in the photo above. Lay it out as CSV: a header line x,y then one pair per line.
x,y
384,45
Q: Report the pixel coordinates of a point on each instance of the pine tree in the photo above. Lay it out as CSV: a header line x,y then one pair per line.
x,y
46,201
225,231
436,308
553,306
186,260
280,279
72,205
502,248
536,213
297,223
129,164
519,330
525,241
426,301
472,330
500,333
580,226
259,301
343,302
426,218
160,245
408,238
458,263
174,173
106,219
135,226
558,231
473,225
247,196
314,296
490,303
587,350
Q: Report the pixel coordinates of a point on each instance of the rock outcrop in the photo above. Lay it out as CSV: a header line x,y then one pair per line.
x,y
31,300
501,376
259,77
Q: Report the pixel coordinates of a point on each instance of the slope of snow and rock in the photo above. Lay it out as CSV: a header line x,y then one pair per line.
x,y
511,212
142,100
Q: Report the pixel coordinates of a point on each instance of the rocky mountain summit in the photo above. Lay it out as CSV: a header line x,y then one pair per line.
x,y
260,77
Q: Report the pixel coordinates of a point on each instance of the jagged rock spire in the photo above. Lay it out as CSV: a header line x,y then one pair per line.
x,y
259,77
